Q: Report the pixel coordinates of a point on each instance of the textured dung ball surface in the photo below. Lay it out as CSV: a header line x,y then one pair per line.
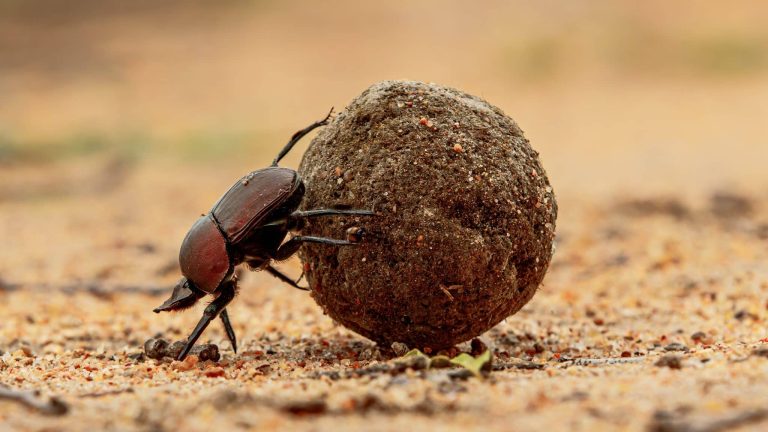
x,y
466,215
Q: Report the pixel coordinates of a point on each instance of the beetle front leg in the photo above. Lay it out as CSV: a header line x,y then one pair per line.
x,y
210,312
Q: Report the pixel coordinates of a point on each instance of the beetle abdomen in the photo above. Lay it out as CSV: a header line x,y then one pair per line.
x,y
251,200
203,257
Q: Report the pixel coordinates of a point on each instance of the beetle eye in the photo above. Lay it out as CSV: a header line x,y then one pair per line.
x,y
189,285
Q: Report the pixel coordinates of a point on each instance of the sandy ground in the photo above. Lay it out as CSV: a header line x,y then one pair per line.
x,y
119,126
652,316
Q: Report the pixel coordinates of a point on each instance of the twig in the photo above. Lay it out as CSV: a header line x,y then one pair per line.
x,y
519,364
446,292
7,286
107,393
665,422
600,361
106,292
31,399
94,287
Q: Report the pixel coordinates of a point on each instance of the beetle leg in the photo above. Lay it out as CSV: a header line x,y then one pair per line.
x,y
296,219
330,212
287,249
210,312
299,135
322,240
278,274
228,328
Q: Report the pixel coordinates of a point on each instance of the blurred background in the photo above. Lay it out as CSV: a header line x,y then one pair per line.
x,y
120,121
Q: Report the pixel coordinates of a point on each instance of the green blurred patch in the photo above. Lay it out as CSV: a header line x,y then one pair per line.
x,y
651,53
198,147
213,146
536,59
473,364
726,54
637,48
128,146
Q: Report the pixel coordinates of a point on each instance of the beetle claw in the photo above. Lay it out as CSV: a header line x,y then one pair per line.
x,y
328,117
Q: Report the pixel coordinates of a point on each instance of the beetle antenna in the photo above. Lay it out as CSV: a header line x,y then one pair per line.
x,y
299,135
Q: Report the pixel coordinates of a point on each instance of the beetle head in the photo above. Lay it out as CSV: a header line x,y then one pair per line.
x,y
185,295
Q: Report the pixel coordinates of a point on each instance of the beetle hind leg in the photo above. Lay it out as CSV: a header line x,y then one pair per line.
x,y
228,328
299,135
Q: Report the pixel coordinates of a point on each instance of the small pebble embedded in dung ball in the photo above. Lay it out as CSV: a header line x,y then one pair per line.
x,y
466,216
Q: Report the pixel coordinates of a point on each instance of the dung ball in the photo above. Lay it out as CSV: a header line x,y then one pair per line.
x,y
465,216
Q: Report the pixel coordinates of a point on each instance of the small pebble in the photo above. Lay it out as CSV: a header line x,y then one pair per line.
x,y
699,336
188,363
174,349
675,346
671,361
214,372
207,352
159,348
399,348
155,348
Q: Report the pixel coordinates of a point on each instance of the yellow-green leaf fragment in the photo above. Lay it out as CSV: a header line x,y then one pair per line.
x,y
439,362
413,353
472,364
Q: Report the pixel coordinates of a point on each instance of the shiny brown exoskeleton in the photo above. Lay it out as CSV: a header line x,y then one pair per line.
x,y
247,225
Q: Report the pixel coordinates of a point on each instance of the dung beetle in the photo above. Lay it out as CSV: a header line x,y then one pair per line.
x,y
247,225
